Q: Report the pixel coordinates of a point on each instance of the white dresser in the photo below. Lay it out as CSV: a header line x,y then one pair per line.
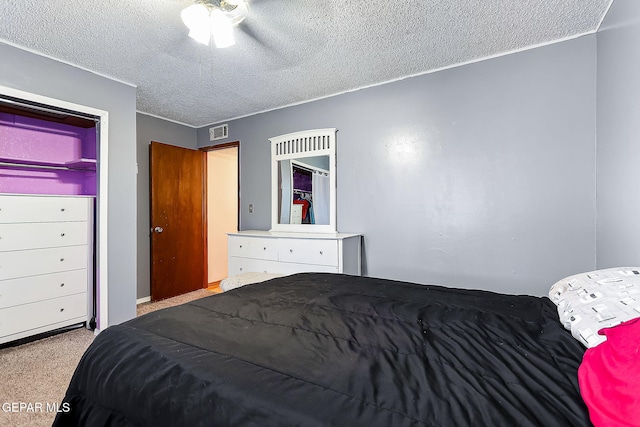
x,y
288,253
46,263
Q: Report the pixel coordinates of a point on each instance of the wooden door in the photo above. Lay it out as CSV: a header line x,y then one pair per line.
x,y
177,220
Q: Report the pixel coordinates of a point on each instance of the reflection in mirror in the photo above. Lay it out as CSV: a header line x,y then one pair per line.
x,y
303,190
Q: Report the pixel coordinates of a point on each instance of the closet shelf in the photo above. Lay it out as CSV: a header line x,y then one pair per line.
x,y
88,164
79,164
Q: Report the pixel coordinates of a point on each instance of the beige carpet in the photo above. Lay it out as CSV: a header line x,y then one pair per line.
x,y
39,372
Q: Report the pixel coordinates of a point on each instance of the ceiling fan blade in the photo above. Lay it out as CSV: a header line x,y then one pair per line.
x,y
223,5
226,6
246,29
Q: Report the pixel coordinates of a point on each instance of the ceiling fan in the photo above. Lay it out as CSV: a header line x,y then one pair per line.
x,y
214,18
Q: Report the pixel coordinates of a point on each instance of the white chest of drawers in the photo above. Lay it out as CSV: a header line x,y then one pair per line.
x,y
288,253
46,263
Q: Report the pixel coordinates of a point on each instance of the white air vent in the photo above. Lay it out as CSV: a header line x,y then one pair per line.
x,y
218,132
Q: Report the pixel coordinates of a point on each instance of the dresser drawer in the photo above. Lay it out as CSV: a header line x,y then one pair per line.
x,y
42,261
309,251
46,286
42,235
248,247
292,268
238,265
14,208
42,313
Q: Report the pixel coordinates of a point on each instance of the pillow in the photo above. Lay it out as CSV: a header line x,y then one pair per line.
x,y
588,302
609,377
245,279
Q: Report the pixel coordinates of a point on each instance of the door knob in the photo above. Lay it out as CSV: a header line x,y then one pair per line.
x,y
158,229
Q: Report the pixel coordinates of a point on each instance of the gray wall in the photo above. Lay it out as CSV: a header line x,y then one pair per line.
x,y
481,176
618,124
36,74
152,129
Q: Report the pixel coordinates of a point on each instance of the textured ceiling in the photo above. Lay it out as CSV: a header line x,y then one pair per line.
x,y
287,51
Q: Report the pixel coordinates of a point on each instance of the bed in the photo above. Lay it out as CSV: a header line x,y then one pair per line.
x,y
318,349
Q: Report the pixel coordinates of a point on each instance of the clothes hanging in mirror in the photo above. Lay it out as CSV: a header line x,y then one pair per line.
x,y
305,201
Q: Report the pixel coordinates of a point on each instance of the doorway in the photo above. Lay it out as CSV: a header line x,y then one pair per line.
x,y
194,203
223,201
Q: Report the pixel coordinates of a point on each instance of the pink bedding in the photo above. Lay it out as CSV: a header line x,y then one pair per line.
x,y
609,377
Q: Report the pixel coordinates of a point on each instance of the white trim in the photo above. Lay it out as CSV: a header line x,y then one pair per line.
x,y
167,120
102,265
434,70
102,201
35,52
143,300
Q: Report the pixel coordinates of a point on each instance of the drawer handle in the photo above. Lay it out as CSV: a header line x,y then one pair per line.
x,y
61,234
62,210
62,285
61,310
320,252
291,250
61,259
240,246
265,248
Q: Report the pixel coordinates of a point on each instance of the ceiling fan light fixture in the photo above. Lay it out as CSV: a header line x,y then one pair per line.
x,y
196,18
215,18
200,35
221,29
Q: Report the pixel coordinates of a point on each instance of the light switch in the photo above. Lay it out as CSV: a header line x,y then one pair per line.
x,y
250,207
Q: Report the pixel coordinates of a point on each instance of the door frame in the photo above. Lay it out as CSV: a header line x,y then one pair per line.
x,y
206,192
102,179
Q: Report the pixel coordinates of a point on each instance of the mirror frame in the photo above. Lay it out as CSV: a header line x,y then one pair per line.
x,y
298,145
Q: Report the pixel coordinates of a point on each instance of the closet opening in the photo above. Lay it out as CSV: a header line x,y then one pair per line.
x,y
53,180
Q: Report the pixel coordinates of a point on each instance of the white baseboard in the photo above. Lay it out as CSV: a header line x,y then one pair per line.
x,y
141,300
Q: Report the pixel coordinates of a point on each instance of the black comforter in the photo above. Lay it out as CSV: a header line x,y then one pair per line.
x,y
334,350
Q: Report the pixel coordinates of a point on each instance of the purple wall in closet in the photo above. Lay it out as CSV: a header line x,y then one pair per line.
x,y
39,142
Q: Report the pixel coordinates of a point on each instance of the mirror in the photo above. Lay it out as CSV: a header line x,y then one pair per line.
x,y
303,181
